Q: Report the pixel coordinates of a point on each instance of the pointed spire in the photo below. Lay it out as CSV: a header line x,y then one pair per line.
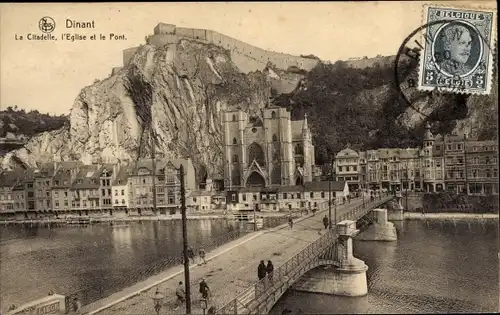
x,y
428,135
305,127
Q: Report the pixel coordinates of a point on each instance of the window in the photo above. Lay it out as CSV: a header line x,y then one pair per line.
x,y
273,115
244,197
123,201
285,196
235,158
275,138
116,192
235,141
459,146
311,194
234,117
322,194
123,192
57,204
194,199
298,195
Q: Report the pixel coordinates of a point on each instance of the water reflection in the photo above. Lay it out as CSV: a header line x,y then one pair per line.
x,y
122,238
433,267
108,258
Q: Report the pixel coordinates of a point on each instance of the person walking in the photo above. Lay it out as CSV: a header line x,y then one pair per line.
x,y
325,221
202,255
290,221
181,295
190,253
270,270
261,270
77,305
204,289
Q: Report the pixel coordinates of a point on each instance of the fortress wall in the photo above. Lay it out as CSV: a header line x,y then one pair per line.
x,y
245,63
163,39
163,28
247,57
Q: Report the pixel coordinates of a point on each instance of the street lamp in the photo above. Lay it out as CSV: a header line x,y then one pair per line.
x,y
330,194
203,305
157,300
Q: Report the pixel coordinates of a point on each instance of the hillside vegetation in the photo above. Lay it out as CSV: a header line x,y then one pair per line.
x,y
20,122
362,107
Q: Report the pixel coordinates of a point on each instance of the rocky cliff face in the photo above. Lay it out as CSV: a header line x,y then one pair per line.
x,y
180,90
183,87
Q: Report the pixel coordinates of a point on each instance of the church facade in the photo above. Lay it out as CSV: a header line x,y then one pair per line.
x,y
266,150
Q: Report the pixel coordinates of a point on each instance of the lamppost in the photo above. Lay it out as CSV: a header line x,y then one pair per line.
x,y
157,300
203,305
330,175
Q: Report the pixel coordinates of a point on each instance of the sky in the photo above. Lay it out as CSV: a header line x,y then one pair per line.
x,y
48,75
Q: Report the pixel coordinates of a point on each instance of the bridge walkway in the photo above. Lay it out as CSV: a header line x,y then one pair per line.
x,y
234,271
259,298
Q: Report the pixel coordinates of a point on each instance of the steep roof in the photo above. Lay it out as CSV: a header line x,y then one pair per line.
x,y
323,186
45,170
10,178
347,152
122,175
83,179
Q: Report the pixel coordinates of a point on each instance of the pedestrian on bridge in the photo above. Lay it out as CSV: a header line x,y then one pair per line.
x,y
261,270
202,255
204,289
181,295
270,270
190,253
325,221
290,221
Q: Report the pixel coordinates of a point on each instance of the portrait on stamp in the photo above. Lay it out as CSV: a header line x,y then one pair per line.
x,y
457,49
458,52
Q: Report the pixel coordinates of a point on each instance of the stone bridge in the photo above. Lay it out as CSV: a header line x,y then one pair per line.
x,y
342,273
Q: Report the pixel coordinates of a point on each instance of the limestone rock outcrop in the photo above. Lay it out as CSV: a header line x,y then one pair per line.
x,y
183,87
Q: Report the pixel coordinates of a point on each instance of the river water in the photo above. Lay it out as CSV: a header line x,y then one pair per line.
x,y
98,259
432,268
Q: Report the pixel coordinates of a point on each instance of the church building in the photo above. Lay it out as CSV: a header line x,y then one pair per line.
x,y
267,149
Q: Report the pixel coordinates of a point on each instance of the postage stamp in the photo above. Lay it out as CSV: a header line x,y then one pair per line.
x,y
458,50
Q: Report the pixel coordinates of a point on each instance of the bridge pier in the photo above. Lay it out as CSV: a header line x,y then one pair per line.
x,y
395,209
380,230
347,277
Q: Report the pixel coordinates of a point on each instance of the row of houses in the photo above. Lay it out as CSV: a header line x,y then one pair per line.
x,y
72,187
444,163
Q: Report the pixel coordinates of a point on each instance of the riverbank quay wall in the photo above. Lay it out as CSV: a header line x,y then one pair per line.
x,y
448,202
247,57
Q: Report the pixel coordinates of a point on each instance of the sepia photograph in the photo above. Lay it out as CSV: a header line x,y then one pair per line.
x,y
277,158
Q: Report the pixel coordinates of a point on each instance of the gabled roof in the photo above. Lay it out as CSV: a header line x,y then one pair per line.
x,y
83,179
10,178
347,152
45,170
122,175
323,186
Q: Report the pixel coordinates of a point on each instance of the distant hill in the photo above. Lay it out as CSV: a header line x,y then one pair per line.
x,y
357,102
24,125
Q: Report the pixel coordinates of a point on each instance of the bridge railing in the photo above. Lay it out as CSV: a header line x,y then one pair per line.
x,y
305,257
